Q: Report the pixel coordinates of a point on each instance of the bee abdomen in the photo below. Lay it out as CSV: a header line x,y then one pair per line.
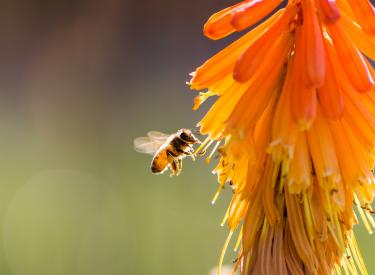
x,y
155,168
159,162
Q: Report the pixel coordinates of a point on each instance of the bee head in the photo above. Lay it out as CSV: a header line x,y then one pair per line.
x,y
187,136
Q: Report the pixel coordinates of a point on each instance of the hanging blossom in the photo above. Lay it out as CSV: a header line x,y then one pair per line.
x,y
294,125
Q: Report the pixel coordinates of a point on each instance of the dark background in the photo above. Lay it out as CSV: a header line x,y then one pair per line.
x,y
79,80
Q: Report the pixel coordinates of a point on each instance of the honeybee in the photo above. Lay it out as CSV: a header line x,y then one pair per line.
x,y
168,150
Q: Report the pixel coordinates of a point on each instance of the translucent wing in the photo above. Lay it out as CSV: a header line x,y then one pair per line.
x,y
158,135
147,145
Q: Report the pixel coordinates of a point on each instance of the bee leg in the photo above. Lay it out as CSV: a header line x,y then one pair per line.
x,y
191,149
190,152
173,167
179,167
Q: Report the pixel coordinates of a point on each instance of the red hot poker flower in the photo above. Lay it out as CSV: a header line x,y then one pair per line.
x,y
294,124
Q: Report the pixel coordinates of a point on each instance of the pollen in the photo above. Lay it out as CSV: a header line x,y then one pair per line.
x,y
293,123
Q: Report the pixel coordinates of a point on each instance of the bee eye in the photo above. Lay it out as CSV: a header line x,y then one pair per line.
x,y
184,136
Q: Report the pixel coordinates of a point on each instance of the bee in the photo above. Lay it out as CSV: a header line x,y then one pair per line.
x,y
168,150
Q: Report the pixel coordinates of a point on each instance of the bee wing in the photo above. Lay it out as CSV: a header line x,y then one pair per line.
x,y
147,145
156,135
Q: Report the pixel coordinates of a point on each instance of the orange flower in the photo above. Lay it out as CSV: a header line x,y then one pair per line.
x,y
294,124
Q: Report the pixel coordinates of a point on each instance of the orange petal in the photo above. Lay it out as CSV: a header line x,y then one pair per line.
x,y
318,214
323,154
218,25
365,14
299,177
284,128
330,96
351,59
358,117
345,7
254,55
369,101
328,10
251,12
313,47
222,64
262,137
303,103
352,164
364,42
303,99
262,86
237,210
213,122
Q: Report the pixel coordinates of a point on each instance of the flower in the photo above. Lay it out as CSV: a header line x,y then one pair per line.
x,y
294,124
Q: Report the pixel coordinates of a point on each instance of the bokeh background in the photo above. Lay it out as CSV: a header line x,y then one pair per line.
x,y
79,80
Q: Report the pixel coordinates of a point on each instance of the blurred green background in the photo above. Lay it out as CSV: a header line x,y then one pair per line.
x,y
79,81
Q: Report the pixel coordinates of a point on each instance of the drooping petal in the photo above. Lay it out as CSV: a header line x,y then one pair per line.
x,y
329,11
303,99
238,17
351,59
330,95
237,210
353,169
319,216
299,177
284,128
254,55
364,42
222,64
358,118
365,13
313,47
213,122
262,86
219,24
323,153
345,7
252,12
